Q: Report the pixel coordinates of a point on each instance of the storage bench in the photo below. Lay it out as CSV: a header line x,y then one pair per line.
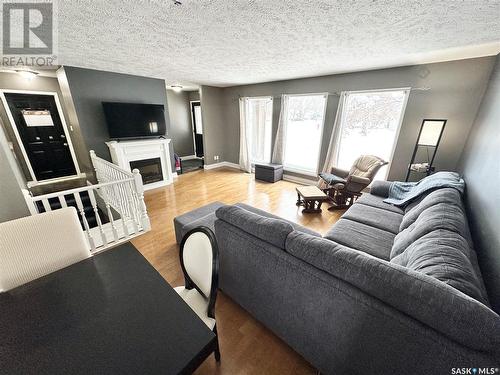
x,y
269,172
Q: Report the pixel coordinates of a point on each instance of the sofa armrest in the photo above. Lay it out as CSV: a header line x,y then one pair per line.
x,y
380,188
418,295
339,172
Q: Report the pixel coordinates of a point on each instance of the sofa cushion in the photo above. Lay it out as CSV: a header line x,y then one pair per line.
x,y
295,226
416,294
362,237
447,195
440,216
376,201
446,256
374,217
267,229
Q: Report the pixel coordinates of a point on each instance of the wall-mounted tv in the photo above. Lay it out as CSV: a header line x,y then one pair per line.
x,y
133,120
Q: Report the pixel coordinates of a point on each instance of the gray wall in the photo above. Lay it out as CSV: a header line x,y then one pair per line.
x,y
50,84
481,167
89,88
180,122
194,95
12,203
455,91
213,113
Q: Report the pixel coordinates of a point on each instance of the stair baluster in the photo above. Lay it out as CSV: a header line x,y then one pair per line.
x,y
62,201
93,202
46,205
81,209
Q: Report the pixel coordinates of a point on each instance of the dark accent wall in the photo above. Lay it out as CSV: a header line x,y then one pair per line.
x,y
89,88
480,165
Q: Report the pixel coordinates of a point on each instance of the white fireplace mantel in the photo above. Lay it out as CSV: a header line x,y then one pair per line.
x,y
123,152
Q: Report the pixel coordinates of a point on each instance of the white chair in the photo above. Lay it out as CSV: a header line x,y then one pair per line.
x,y
34,246
199,257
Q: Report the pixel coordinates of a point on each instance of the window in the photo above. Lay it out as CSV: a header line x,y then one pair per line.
x,y
369,125
259,118
304,118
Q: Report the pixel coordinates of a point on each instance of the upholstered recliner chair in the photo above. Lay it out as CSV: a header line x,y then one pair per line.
x,y
344,187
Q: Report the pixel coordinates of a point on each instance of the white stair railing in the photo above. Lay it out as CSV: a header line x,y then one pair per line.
x,y
111,212
128,199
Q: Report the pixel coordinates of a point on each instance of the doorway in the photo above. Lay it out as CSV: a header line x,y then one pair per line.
x,y
38,124
197,123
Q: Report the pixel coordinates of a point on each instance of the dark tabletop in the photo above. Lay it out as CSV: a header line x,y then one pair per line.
x,y
110,314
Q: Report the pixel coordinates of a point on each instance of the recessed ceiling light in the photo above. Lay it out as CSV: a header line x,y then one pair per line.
x,y
176,88
28,74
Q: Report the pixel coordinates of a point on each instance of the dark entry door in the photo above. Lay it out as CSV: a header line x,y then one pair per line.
x,y
197,128
39,125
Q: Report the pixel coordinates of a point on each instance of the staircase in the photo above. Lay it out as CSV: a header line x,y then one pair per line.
x,y
110,212
88,209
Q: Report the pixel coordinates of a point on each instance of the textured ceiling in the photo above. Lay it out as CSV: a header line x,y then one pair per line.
x,y
231,42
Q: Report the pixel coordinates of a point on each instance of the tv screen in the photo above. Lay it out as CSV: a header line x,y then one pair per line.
x,y
132,120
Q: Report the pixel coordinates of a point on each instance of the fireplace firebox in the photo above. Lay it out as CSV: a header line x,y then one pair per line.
x,y
150,170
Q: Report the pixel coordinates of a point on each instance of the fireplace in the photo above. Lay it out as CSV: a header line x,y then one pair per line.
x,y
150,156
150,170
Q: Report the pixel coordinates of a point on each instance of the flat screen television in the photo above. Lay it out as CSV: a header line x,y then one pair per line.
x,y
133,120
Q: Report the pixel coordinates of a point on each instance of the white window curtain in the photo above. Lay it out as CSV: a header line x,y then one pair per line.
x,y
279,143
256,115
245,164
332,154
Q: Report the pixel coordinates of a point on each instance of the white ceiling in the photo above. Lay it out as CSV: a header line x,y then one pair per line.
x,y
232,42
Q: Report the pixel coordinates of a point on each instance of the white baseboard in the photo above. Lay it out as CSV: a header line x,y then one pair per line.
x,y
174,175
231,165
221,165
189,157
299,180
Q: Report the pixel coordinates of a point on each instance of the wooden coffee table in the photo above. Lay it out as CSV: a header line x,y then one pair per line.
x,y
311,197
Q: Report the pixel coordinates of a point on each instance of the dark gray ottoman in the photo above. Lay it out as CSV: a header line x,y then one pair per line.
x,y
268,172
203,216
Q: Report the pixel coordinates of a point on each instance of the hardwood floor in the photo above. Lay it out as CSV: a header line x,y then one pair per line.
x,y
247,347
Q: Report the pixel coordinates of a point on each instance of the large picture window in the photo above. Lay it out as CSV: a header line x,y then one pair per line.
x,y
304,120
370,125
259,116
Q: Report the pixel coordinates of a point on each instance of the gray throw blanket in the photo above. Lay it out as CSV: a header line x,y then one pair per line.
x,y
402,193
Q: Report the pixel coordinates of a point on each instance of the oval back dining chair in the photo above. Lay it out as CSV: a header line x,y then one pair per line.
x,y
199,256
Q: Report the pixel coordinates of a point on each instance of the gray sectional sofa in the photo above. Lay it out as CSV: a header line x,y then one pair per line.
x,y
385,291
